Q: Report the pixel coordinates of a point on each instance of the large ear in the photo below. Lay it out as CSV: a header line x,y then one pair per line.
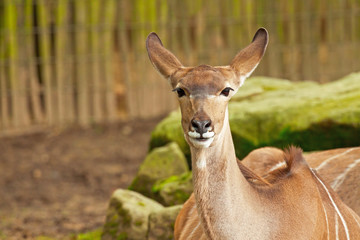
x,y
245,62
161,58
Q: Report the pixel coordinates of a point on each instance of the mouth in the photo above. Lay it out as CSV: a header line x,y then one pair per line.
x,y
201,140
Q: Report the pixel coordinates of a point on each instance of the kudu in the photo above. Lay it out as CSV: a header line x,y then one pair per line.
x,y
229,200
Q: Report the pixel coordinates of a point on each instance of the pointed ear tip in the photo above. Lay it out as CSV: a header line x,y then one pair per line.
x,y
153,37
262,29
261,33
152,34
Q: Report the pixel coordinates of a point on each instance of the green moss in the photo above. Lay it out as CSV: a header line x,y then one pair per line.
x,y
111,226
159,164
122,236
141,204
124,215
173,190
42,238
179,179
93,235
170,130
138,223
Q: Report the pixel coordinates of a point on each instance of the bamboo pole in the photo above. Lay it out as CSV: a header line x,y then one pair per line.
x,y
137,31
5,117
35,99
184,27
23,76
10,27
150,89
342,32
94,21
109,10
236,25
272,55
124,54
217,43
316,39
355,34
173,40
163,26
322,49
260,22
61,42
198,29
291,53
331,36
307,28
44,47
249,18
81,49
139,21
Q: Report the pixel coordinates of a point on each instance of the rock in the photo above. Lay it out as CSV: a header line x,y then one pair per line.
x,y
174,190
127,215
159,164
258,85
278,113
161,223
170,130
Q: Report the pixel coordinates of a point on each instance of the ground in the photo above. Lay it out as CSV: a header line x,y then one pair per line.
x,y
57,183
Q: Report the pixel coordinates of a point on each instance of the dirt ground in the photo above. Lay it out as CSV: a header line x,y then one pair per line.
x,y
58,183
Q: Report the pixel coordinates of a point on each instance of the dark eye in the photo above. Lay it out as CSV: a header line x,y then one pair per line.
x,y
226,91
179,91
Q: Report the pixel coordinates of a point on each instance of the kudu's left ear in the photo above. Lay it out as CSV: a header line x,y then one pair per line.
x,y
245,62
161,58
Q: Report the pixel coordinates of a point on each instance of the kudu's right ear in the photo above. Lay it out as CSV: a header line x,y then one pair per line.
x,y
245,62
161,58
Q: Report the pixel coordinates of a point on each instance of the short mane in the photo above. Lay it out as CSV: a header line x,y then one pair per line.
x,y
292,159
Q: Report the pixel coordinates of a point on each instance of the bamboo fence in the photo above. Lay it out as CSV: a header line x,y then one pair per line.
x,y
84,61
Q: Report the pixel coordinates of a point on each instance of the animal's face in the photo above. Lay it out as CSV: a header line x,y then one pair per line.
x,y
204,91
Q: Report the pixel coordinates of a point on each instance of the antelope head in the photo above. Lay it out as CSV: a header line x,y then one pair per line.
x,y
204,91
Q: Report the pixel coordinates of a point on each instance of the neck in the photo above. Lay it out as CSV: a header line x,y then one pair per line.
x,y
222,193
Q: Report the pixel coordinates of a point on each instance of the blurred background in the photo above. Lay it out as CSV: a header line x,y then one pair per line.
x,y
84,61
71,63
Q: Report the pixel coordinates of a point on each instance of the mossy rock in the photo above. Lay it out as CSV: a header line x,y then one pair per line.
x,y
159,164
174,190
274,112
161,223
258,85
127,216
170,130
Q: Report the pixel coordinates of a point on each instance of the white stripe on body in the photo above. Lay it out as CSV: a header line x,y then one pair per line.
x,y
335,206
331,158
327,222
336,227
341,178
355,217
194,230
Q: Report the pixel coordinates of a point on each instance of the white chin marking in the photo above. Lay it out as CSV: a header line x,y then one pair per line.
x,y
201,143
208,134
194,134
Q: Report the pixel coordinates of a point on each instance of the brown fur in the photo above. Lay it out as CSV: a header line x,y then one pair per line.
x,y
296,167
293,159
262,160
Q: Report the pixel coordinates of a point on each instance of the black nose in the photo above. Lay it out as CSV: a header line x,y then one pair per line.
x,y
201,126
